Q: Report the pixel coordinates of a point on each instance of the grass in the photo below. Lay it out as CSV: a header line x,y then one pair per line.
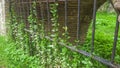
x,y
3,46
10,57
104,36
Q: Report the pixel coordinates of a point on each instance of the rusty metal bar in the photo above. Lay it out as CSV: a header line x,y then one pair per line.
x,y
42,17
48,14
23,10
10,8
78,22
30,3
93,25
27,13
18,8
42,12
11,16
66,13
102,60
29,7
115,40
43,1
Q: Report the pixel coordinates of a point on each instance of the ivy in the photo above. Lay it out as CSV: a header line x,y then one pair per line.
x,y
32,44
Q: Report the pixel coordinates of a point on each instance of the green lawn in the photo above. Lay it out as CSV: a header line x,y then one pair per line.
x,y
104,35
3,46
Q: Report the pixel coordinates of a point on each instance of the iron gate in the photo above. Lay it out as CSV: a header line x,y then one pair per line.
x,y
23,9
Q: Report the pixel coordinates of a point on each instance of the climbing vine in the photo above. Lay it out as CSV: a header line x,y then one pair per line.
x,y
45,51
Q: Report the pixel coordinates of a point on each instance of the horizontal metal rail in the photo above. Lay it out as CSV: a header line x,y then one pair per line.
x,y
44,1
102,60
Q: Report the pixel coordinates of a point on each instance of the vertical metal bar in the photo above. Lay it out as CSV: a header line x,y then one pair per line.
x,y
16,15
42,17
93,25
28,26
30,3
48,29
48,15
115,40
20,5
10,8
27,12
66,13
18,8
78,22
11,16
22,19
23,10
42,12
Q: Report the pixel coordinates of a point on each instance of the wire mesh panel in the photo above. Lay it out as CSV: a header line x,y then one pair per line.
x,y
73,18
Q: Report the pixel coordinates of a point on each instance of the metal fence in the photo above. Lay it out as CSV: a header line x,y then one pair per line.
x,y
22,8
